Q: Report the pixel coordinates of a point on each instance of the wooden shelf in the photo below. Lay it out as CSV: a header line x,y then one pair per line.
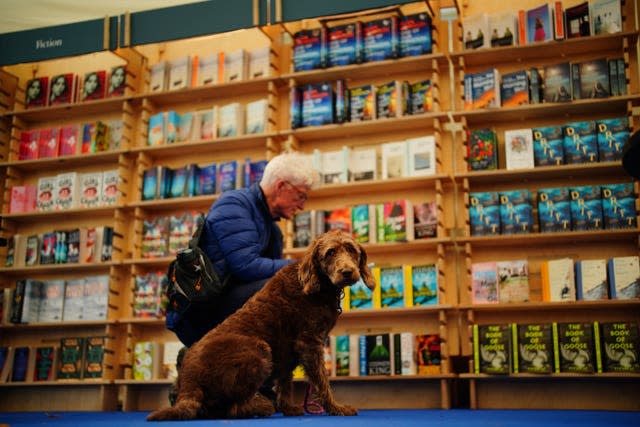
x,y
557,50
158,382
63,324
151,321
66,161
367,70
382,248
605,376
58,383
543,173
67,214
368,378
369,127
393,312
64,112
169,204
370,186
150,262
53,268
506,240
554,306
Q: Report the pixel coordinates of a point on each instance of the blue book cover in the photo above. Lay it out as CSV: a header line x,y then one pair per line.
x,y
295,107
557,83
156,130
380,39
516,212
360,223
421,97
415,34
484,213
171,127
253,171
611,134
586,208
20,364
554,209
362,347
227,174
391,287
345,44
317,104
165,174
594,79
309,49
424,281
150,183
360,296
362,103
485,89
207,179
619,206
179,182
514,89
548,146
580,142
342,102
193,179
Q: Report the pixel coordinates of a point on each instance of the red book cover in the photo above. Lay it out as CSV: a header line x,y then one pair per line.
x,y
93,85
68,140
29,145
61,89
32,194
48,143
36,92
117,81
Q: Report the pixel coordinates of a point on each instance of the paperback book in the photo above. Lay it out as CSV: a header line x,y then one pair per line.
x,y
548,146
591,280
586,208
484,283
513,281
619,346
516,212
619,206
533,348
575,351
492,349
580,142
421,285
612,135
345,44
484,213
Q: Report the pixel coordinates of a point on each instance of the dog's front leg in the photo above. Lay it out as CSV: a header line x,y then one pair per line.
x,y
284,399
312,358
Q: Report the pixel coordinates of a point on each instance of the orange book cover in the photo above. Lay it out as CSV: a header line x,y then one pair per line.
x,y
522,27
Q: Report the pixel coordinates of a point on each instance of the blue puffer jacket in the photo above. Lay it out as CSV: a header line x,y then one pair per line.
x,y
237,231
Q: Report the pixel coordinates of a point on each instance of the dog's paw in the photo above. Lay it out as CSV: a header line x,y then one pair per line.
x,y
342,410
291,411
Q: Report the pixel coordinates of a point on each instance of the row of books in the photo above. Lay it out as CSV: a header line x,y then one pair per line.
x,y
154,360
163,182
77,246
542,23
403,353
356,42
589,207
561,280
227,120
68,88
74,358
396,287
57,300
166,235
563,82
149,294
556,347
202,70
318,104
397,159
67,190
395,221
70,140
570,143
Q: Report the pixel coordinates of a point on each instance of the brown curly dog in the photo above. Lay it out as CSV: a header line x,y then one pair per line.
x,y
284,324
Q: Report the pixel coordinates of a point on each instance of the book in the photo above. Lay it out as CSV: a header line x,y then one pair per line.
x,y
228,176
335,166
180,73
492,349
484,283
378,354
6,362
117,81
612,135
17,301
96,297
259,63
338,219
558,280
342,353
485,89
73,300
362,103
415,34
519,150
363,223
393,159
574,347
513,281
317,104
591,280
70,358
425,220
309,49
20,365
207,179
580,142
62,89
421,154
514,89
45,359
428,354
392,286
557,86
207,71
92,366
68,145
619,346
539,24
93,86
421,285
476,31
363,164
32,254
420,97
503,29
484,213
394,221
52,302
577,20
554,209
90,189
170,354
236,65
380,39
46,193
548,146
36,92
594,79
618,206
342,106
535,86
257,116
32,299
533,350
586,208
302,229
482,150
391,99
159,77
405,353
606,16
146,360
624,277
66,194
147,296
344,44
48,141
29,145
558,20
359,296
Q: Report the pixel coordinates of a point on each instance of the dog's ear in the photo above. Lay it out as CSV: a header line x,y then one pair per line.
x,y
365,272
308,271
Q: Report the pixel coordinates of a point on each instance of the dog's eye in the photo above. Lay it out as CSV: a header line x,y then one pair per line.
x,y
330,252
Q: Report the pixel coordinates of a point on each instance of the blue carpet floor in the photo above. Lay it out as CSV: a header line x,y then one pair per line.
x,y
370,418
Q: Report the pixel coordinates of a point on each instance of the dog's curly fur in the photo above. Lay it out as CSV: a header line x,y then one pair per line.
x,y
282,325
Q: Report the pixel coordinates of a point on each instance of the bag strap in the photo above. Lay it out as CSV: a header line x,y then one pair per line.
x,y
194,242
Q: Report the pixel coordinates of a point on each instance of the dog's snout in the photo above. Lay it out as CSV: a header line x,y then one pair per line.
x,y
347,273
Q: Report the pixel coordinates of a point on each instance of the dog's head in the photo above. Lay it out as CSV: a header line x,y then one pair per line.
x,y
336,256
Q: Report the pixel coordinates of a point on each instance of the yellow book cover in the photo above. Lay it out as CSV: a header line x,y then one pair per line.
x,y
376,292
408,289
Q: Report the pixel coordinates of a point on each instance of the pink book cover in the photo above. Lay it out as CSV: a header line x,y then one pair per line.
x,y
32,195
68,145
28,149
484,283
18,201
48,143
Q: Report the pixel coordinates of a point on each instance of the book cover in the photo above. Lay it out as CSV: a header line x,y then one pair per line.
x,y
420,97
159,77
342,359
533,348
548,145
17,301
48,248
624,277
32,255
52,303
185,127
66,195
146,360
484,213
236,65
378,354
180,73
73,246
6,362
90,190
484,283
96,297
594,78
93,357
619,346
68,145
485,89
482,150
94,85
619,206
606,16
394,159
117,81
156,129
535,86
232,120
558,280
345,44
577,22
476,31
342,102
259,63
421,285
61,90
338,219
335,166
36,92
580,142
181,229
48,142
519,150
207,179
514,89
492,349
29,145
178,187
208,70
295,107
302,230
591,280
574,347
557,85
363,164
147,296
317,104
309,49
425,220
586,208
155,238
392,286
503,29
513,281
612,135
360,296
73,300
421,154
395,221
554,209
61,249
228,176
170,354
404,354
45,363
45,199
362,103
380,39
257,116
429,355
363,223
31,301
70,359
20,365
415,34
539,26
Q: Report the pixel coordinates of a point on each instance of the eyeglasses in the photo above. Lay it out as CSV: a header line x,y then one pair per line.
x,y
300,195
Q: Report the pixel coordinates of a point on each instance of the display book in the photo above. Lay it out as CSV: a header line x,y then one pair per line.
x,y
556,347
154,360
